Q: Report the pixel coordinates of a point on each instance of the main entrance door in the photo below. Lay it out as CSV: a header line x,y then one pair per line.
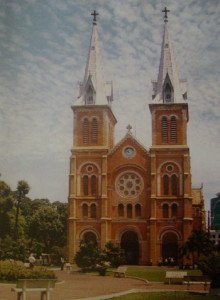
x,y
170,246
130,244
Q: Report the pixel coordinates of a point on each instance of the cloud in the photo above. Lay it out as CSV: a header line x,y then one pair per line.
x,y
44,50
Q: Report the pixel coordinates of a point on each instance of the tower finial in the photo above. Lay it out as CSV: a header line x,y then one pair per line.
x,y
165,14
94,14
129,127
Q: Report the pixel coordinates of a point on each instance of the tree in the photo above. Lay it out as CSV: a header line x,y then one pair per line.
x,y
46,227
6,209
114,255
198,243
22,190
88,255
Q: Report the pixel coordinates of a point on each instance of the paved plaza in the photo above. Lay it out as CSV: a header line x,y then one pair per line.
x,y
77,285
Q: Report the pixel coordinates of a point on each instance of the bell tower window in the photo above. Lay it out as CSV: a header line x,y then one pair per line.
x,y
164,130
173,129
85,131
94,130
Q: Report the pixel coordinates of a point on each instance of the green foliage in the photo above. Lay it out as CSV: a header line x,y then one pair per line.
x,y
114,255
28,225
210,265
88,256
198,243
22,190
12,271
46,226
11,249
6,209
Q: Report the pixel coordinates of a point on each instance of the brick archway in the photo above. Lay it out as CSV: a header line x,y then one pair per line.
x,y
130,244
170,246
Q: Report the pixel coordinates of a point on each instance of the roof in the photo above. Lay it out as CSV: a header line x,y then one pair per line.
x,y
94,75
168,71
197,196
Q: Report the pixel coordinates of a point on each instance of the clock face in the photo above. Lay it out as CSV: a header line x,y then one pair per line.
x,y
129,151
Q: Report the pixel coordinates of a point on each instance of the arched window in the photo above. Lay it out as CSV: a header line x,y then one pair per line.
x,y
85,210
94,185
174,210
121,210
165,210
164,130
174,185
168,93
85,131
85,185
94,130
173,130
166,185
129,211
137,210
93,210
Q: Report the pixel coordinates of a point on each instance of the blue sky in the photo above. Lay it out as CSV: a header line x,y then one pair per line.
x,y
43,51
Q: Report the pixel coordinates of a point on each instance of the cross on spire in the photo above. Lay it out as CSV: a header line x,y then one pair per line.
x,y
165,14
94,14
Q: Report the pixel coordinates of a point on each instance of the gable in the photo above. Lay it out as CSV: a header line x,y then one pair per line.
x,y
128,152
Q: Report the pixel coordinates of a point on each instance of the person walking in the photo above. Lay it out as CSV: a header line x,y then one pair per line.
x,y
62,262
31,260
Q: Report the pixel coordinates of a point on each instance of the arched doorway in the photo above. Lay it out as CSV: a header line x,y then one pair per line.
x,y
170,246
130,244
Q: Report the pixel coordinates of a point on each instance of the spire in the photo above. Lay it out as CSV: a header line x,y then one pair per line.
x,y
168,88
94,90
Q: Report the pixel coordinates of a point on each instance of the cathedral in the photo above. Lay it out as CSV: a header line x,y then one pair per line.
x,y
139,198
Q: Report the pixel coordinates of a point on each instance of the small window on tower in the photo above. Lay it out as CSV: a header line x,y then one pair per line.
x,y
168,93
90,100
90,96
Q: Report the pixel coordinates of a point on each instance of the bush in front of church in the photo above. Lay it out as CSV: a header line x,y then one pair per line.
x,y
114,255
88,255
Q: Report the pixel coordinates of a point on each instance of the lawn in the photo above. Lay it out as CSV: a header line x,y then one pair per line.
x,y
166,296
156,274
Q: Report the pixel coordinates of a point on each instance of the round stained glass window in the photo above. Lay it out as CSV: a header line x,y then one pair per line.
x,y
129,184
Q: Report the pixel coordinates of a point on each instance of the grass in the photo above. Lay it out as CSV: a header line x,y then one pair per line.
x,y
166,296
156,274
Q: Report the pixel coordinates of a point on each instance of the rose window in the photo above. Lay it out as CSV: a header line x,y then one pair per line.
x,y
129,184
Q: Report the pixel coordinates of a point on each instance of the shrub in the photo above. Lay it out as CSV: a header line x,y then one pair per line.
x,y
12,271
88,256
114,255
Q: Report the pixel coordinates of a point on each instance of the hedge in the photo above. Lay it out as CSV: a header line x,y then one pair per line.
x,y
12,271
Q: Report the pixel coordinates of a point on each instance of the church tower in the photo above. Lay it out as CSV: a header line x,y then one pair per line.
x,y
171,202
93,136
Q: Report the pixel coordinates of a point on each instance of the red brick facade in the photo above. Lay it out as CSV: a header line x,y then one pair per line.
x,y
141,199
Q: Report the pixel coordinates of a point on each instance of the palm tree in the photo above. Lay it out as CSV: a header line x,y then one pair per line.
x,y
22,190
